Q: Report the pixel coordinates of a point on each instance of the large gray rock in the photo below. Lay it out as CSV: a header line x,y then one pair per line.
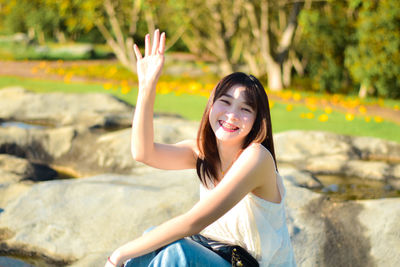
x,y
324,233
329,153
296,146
353,233
59,109
37,144
80,222
14,169
87,152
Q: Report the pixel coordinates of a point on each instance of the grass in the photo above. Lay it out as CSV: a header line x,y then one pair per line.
x,y
284,121
191,107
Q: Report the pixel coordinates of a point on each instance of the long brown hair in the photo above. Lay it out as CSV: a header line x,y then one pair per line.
x,y
208,161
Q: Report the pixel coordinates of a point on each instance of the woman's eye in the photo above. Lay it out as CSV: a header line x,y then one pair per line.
x,y
225,101
246,109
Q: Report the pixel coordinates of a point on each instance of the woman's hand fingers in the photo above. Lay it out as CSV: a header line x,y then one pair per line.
x,y
137,52
161,49
156,41
147,45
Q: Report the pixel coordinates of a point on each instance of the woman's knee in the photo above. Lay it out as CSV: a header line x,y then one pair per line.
x,y
177,253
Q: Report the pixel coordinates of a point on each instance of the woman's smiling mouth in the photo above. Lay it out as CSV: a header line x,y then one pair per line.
x,y
227,126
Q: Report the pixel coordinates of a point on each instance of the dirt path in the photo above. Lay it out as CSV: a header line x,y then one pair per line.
x,y
25,69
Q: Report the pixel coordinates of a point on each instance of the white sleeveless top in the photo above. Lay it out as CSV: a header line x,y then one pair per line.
x,y
257,225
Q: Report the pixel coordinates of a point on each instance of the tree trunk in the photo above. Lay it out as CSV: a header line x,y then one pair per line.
x,y
274,76
365,90
41,38
226,67
287,72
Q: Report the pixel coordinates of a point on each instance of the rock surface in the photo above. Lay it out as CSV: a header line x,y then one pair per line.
x,y
78,222
353,233
70,220
59,109
333,154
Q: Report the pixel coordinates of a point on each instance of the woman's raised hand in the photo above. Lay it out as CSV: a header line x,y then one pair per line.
x,y
150,65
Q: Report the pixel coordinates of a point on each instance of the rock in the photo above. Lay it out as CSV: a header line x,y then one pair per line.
x,y
85,151
296,146
171,130
10,192
377,149
111,152
72,220
36,144
300,178
333,154
330,164
59,109
353,233
367,169
14,169
79,222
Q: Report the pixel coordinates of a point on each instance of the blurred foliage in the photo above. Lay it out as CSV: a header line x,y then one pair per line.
x,y
352,44
325,33
374,59
343,45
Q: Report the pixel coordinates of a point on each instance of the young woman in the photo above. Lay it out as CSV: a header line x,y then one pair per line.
x,y
242,194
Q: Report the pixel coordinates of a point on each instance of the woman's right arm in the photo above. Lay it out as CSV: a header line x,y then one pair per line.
x,y
163,156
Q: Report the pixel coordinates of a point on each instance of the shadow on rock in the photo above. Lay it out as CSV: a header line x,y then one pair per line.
x,y
346,243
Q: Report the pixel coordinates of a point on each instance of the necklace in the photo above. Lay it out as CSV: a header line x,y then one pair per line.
x,y
230,165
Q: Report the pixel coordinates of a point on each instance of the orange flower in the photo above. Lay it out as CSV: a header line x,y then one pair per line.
x,y
323,118
42,64
297,96
125,89
107,86
378,119
349,116
34,70
328,110
362,109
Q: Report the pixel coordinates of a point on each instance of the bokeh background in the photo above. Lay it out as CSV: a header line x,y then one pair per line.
x,y
327,65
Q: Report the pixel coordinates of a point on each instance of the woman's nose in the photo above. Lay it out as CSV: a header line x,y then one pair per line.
x,y
233,114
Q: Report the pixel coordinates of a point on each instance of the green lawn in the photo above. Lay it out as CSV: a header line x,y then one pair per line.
x,y
192,106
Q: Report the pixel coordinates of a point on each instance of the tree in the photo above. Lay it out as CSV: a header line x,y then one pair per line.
x,y
256,33
212,29
39,18
270,28
119,20
326,31
374,59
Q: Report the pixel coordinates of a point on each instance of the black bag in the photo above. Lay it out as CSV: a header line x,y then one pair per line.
x,y
236,255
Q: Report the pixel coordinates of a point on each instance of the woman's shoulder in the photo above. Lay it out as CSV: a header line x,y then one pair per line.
x,y
259,152
260,157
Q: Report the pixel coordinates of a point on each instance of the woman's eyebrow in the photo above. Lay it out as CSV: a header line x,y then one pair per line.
x,y
227,95
247,103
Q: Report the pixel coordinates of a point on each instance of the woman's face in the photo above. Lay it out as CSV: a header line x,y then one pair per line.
x,y
231,117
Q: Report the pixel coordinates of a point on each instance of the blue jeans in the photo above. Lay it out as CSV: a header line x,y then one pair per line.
x,y
181,253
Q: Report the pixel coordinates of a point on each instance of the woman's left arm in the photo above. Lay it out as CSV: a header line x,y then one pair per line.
x,y
254,168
